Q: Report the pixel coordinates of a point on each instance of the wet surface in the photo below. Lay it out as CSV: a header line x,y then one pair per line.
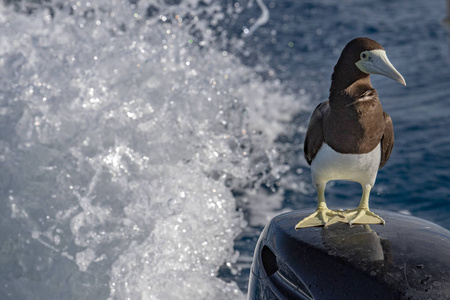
x,y
406,258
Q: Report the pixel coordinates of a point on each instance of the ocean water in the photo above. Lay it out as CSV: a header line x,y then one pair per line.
x,y
145,144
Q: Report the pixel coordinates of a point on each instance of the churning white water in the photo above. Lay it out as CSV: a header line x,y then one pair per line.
x,y
123,129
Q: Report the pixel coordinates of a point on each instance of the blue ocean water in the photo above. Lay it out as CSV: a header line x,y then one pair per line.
x,y
415,180
145,144
417,42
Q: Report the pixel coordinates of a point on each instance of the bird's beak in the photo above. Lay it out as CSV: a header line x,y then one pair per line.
x,y
376,62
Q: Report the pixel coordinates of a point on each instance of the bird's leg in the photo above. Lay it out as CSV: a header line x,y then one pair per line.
x,y
323,216
362,214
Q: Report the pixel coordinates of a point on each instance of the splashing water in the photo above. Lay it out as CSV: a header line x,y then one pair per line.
x,y
123,133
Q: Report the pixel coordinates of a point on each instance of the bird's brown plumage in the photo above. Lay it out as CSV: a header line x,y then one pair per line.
x,y
352,121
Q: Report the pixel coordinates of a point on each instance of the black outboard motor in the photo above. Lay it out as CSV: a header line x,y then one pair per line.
x,y
408,258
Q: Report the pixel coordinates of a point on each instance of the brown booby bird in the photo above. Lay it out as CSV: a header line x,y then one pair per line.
x,y
349,136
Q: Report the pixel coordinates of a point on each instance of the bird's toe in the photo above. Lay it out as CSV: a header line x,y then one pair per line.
x,y
321,217
363,216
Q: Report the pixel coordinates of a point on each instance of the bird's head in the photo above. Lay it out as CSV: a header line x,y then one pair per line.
x,y
362,57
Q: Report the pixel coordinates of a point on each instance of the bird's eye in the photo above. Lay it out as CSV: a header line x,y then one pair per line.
x,y
363,55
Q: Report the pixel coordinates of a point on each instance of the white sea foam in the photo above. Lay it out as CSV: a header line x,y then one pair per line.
x,y
118,134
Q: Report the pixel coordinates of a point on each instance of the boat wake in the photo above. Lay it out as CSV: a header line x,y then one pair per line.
x,y
125,130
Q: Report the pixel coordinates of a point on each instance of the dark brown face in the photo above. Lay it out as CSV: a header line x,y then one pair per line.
x,y
353,48
352,53
360,58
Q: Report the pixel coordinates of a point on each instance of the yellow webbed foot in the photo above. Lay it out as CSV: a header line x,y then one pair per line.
x,y
362,216
321,217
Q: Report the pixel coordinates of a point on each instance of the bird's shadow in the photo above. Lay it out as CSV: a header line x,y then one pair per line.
x,y
359,245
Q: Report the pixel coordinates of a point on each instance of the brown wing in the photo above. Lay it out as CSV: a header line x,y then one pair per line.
x,y
314,135
387,141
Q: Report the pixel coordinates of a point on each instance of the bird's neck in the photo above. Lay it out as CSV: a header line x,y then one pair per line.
x,y
345,92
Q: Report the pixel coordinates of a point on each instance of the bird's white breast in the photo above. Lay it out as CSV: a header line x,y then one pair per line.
x,y
331,165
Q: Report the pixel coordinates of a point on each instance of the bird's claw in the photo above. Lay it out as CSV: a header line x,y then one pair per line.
x,y
322,217
362,216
